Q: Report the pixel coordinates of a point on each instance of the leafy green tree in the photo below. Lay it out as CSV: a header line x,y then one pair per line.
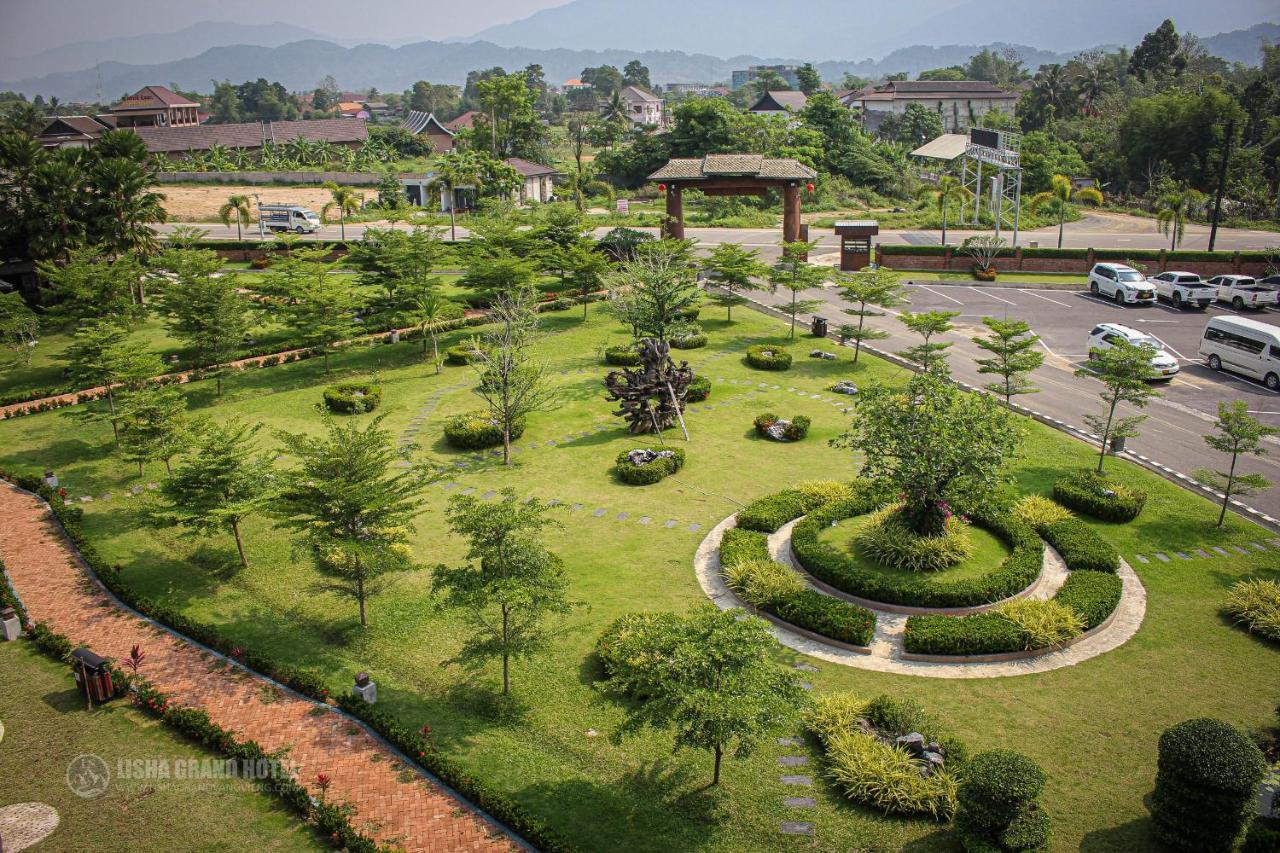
x,y
797,275
604,79
218,483
870,289
927,324
425,304
1057,199
948,194
587,268
769,81
714,683
936,445
344,201
321,312
1157,53
1239,433
733,269
92,287
654,292
101,355
914,127
635,73
511,587
456,170
560,227
497,276
123,205
1013,357
236,207
808,78
205,308
508,103
347,509
1126,372
153,425
954,72
1174,209
19,326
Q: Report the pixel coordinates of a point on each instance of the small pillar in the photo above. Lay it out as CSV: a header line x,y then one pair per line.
x,y
673,225
790,213
365,688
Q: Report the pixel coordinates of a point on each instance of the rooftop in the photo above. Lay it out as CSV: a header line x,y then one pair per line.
x,y
738,165
153,98
162,140
781,100
529,170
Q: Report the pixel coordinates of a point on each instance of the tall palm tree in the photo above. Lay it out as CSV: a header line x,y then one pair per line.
x,y
346,201
1052,88
1092,86
238,206
1058,200
457,169
615,110
949,191
1173,210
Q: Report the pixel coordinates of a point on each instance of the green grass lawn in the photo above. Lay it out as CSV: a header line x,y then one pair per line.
x,y
1093,726
46,726
988,552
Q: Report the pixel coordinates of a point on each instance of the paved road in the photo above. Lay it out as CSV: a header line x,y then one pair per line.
x,y
1172,435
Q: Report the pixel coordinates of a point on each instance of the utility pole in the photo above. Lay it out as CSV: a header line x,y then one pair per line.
x,y
1222,180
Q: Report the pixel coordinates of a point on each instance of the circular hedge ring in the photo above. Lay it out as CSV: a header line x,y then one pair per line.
x,y
461,355
352,398
477,431
622,355
1089,492
699,390
645,466
767,357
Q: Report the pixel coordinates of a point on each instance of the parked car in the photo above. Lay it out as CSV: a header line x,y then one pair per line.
x,y
1243,291
1183,289
1121,283
1271,282
1105,336
1243,345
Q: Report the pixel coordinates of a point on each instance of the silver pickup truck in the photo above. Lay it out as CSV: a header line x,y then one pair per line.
x,y
1243,291
1183,289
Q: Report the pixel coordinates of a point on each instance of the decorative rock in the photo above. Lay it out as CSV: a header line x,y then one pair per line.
x,y
644,457
912,743
933,762
788,741
368,692
844,386
823,354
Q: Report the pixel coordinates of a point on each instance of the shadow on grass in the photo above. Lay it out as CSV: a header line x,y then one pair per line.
x,y
67,701
1134,835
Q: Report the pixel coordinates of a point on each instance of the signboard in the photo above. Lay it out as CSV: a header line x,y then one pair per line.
x,y
986,138
624,206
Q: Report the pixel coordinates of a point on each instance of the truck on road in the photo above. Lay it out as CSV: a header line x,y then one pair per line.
x,y
288,217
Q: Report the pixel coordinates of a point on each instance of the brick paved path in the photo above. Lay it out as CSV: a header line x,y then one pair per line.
x,y
415,815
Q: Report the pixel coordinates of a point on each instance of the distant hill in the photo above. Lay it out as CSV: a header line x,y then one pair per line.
x,y
1243,45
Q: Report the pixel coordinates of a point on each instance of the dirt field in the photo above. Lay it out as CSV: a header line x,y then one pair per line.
x,y
200,203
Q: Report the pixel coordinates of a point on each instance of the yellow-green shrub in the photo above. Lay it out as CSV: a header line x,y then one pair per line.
x,y
887,778
1256,605
887,538
762,582
833,713
1038,511
1045,622
821,492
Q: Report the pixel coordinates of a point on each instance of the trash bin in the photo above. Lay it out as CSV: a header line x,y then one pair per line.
x,y
1117,444
819,327
93,675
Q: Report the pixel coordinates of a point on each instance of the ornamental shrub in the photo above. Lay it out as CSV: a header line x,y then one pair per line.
x,y
1263,836
1255,604
1092,595
1038,511
997,804
795,429
830,617
889,539
1044,623
767,357
622,355
977,634
738,545
699,390
352,397
650,472
832,713
633,645
770,512
762,583
1206,776
1082,549
1089,492
477,431
821,492
695,341
887,778
461,355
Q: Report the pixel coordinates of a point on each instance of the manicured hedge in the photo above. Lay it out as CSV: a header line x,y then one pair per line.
x,y
998,804
623,355
830,617
977,634
741,545
1172,258
461,355
689,342
1094,595
1089,492
476,431
770,512
699,390
767,357
352,397
1082,549
796,429
652,471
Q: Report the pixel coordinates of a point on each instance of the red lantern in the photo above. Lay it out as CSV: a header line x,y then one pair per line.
x,y
809,187
662,188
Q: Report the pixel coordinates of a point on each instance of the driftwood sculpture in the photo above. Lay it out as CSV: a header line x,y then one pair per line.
x,y
651,396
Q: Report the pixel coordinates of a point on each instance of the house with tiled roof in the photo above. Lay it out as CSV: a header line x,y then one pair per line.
x,y
429,127
156,106
538,185
643,107
74,131
176,141
352,109
960,104
780,103
465,121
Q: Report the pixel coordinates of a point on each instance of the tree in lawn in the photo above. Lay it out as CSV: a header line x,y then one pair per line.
x,y
587,268
929,354
1239,433
733,269
344,201
218,483
655,292
122,206
346,508
236,207
153,425
205,309
322,311
101,355
560,229
797,275
1126,372
453,171
19,326
512,385
426,306
503,274
1057,200
92,287
511,588
948,194
714,683
1013,357
937,446
868,289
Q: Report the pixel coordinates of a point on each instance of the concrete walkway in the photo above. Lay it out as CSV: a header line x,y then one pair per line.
x,y
406,809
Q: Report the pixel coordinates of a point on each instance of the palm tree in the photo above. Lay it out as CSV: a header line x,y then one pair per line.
x,y
458,169
1058,199
346,201
948,192
1052,88
237,205
1173,210
616,108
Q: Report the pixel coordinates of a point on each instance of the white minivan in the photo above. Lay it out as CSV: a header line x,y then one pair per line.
x,y
1245,346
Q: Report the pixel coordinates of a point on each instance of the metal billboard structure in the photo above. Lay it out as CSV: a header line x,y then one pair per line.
x,y
1002,184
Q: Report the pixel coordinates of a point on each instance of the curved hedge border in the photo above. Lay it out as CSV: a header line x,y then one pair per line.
x,y
461,355
770,512
1087,491
1081,548
767,357
699,390
475,431
494,803
653,471
352,397
1018,571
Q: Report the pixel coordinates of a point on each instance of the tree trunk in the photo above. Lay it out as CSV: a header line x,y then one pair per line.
x,y
944,225
1062,218
857,344
1111,414
218,379
235,531
506,657
506,445
342,226
453,222
792,334
715,775
585,294
364,621
435,352
1226,497
168,469
326,359
140,471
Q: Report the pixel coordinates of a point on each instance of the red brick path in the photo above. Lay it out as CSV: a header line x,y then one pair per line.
x,y
415,815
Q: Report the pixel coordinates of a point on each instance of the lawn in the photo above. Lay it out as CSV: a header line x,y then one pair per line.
x,y
988,551
46,726
1092,726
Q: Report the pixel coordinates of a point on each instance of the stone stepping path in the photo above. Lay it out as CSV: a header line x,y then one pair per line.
x,y
1269,546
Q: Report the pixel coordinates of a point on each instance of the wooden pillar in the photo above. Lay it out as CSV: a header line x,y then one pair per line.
x,y
673,225
790,213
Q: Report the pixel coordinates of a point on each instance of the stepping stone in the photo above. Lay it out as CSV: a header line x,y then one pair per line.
x,y
554,502
575,507
622,516
1221,551
797,780
793,761
670,523
800,802
773,387
788,741
449,485
695,527
1257,546
806,667
105,497
527,500
551,443
644,519
1238,549
1164,558
488,495
796,827
1181,556
468,490
804,685
84,499
1203,553
153,486
600,512
137,490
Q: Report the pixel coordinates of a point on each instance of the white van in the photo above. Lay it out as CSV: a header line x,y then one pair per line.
x,y
288,217
1241,345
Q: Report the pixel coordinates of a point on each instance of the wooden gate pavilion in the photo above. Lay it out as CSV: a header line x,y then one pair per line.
x,y
733,174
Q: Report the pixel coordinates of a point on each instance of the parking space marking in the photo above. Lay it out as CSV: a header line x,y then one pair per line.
x,y
1102,301
1045,298
992,295
943,295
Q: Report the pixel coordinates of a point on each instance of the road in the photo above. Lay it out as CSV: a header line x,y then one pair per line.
x,y
1173,433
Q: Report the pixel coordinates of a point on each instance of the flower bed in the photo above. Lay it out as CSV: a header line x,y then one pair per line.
x,y
622,356
771,426
767,357
477,431
352,398
645,466
1089,492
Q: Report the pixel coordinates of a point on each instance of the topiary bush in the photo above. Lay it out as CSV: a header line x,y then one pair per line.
x,y
644,466
888,538
1255,604
462,355
1081,548
1092,595
352,398
767,357
630,646
792,430
692,341
770,512
997,804
1206,776
477,431
1089,492
622,355
699,390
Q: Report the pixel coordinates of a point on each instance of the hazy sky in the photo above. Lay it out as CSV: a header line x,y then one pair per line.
x,y
28,26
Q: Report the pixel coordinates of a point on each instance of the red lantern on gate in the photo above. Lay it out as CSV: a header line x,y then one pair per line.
x,y
662,188
809,187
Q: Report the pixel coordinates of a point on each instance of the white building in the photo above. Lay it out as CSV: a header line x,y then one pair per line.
x,y
960,103
643,107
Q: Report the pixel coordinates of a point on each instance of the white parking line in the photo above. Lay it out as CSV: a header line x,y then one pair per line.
x,y
1045,298
992,295
943,295
1102,301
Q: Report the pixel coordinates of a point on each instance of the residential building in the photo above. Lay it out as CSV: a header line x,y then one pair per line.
x,y
75,131
703,90
352,109
427,125
173,142
643,107
749,76
573,84
537,186
156,106
959,103
780,103
464,121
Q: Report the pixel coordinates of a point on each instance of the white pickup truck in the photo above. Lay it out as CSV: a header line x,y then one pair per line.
x,y
1243,291
1183,289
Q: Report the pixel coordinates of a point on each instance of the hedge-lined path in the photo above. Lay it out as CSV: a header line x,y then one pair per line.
x,y
55,588
886,648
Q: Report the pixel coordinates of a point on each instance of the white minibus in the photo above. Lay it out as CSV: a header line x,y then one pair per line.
x,y
1245,346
